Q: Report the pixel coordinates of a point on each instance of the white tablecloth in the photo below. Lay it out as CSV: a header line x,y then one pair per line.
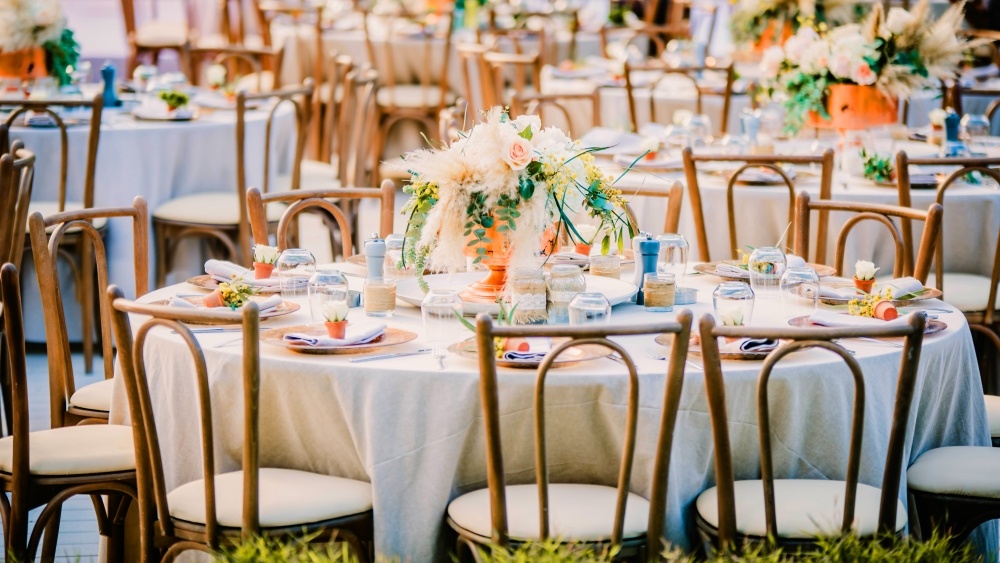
x,y
157,160
415,432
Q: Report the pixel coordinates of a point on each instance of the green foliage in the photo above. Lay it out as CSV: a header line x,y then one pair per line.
x,y
878,168
549,551
805,93
62,54
175,99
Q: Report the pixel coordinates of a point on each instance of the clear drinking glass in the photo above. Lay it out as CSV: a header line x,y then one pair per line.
x,y
799,291
673,257
589,308
766,265
295,266
733,302
975,127
326,285
441,309
393,255
658,292
701,130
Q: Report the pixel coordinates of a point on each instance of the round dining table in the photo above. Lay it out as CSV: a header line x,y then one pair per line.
x,y
414,430
158,160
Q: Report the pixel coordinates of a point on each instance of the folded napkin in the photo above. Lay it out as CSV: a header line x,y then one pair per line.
x,y
749,345
270,303
223,270
794,261
178,301
537,349
731,270
356,334
834,319
827,292
39,119
904,286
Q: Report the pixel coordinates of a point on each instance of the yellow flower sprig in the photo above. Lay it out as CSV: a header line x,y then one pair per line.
x,y
864,306
236,292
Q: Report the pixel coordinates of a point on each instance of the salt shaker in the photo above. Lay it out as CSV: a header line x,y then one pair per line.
x,y
375,257
646,250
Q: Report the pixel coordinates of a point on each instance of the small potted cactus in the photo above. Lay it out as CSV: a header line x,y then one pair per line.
x,y
864,275
264,259
335,313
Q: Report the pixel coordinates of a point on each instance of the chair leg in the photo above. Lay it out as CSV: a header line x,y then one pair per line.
x,y
51,538
5,385
87,296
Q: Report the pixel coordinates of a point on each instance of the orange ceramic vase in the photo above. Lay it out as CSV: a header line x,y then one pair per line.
x,y
853,107
23,63
497,259
773,35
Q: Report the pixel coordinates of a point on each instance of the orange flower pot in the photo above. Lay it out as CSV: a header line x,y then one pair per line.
x,y
23,63
336,329
262,271
864,285
582,248
497,259
773,36
213,299
854,107
886,311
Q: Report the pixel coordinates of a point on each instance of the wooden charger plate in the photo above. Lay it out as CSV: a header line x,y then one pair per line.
x,y
573,356
933,325
694,348
206,281
710,269
927,293
391,337
285,308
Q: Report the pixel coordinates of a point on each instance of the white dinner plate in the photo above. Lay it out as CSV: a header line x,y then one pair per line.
x,y
617,291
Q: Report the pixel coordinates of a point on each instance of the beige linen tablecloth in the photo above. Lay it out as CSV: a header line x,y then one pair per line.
x,y
415,432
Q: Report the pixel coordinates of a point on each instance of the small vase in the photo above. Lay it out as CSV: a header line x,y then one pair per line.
x,y
336,329
864,285
855,107
23,64
652,155
262,271
213,299
886,311
582,248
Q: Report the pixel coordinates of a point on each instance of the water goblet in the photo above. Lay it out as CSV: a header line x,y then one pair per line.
x,y
766,265
733,303
441,310
326,285
975,127
295,266
799,291
589,308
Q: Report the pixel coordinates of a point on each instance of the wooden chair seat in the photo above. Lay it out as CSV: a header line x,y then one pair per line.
x,y
75,450
412,96
806,508
314,175
213,208
94,397
577,512
969,293
993,414
47,208
287,498
968,471
161,34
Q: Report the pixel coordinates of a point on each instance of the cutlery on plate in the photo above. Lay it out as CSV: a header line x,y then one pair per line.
x,y
653,354
387,356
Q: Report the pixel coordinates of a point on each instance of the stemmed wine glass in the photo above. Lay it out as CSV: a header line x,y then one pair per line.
x,y
441,309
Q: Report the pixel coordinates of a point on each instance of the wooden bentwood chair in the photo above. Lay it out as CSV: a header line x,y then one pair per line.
x,y
510,514
770,162
794,512
688,74
223,508
91,403
47,467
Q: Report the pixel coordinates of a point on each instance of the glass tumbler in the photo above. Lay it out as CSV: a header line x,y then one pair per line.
x,y
589,308
975,127
326,285
766,265
733,302
294,267
441,310
673,257
658,292
799,291
394,256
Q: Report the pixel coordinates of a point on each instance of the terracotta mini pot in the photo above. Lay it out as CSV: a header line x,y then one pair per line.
x,y
213,299
262,271
516,345
651,155
582,248
864,285
886,311
336,329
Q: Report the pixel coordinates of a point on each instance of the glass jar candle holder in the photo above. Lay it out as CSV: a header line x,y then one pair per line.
x,y
659,291
380,298
733,302
565,281
527,295
324,286
673,258
766,265
294,267
606,266
589,308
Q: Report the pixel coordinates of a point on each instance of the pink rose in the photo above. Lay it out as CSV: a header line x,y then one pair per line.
x,y
519,153
863,75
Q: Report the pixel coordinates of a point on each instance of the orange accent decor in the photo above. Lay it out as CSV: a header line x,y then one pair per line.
x,y
854,107
23,63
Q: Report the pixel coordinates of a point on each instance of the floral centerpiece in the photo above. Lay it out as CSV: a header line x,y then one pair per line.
x,y
232,294
34,40
771,22
498,191
852,76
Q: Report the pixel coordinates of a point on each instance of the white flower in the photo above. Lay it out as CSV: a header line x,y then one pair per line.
x,y
898,20
216,75
525,121
771,61
937,116
335,311
682,117
864,270
797,43
518,153
863,74
649,144
587,232
815,58
265,254
731,314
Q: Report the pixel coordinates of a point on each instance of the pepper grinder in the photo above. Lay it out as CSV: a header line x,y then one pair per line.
x,y
646,250
375,257
952,146
108,75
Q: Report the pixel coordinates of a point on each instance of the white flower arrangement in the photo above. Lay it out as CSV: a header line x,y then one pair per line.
x,y
30,23
498,188
937,117
731,315
335,311
865,270
265,254
752,20
216,75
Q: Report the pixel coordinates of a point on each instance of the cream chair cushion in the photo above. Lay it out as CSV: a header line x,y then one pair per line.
x,y
805,508
47,208
287,498
957,470
95,397
966,292
316,175
161,34
213,208
576,512
993,414
412,96
75,450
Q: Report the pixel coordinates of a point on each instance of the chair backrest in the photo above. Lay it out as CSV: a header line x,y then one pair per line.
x,y
45,246
17,178
770,162
452,122
149,455
300,98
15,387
245,66
477,88
49,107
131,16
990,167
511,73
651,39
886,215
564,106
543,28
597,336
958,93
667,73
806,338
356,158
338,67
300,200
674,195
